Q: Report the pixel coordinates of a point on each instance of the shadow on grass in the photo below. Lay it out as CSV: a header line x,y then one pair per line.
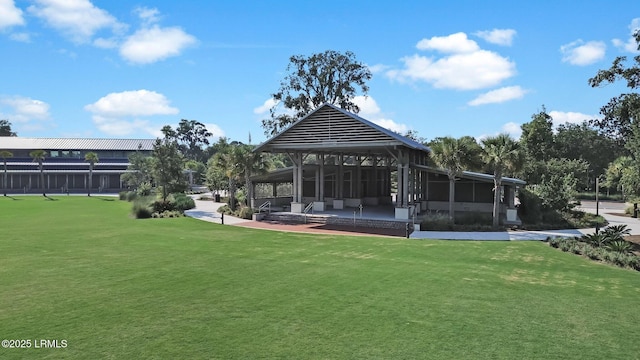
x,y
106,199
12,198
49,198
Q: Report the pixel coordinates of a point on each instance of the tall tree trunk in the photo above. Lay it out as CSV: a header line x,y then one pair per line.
x,y
232,194
497,181
247,184
452,194
90,179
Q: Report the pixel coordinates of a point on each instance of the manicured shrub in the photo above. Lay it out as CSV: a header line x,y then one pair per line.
x,y
474,218
132,195
225,209
122,195
141,210
183,202
530,208
245,212
144,189
620,246
161,206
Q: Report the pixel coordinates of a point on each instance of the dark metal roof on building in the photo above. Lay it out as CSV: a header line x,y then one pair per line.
x,y
333,129
24,143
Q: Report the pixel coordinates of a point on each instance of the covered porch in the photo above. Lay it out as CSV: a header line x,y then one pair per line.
x,y
342,161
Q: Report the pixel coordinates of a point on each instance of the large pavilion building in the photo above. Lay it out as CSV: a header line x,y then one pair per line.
x,y
65,169
341,160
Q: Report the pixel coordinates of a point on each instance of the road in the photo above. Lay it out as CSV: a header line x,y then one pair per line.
x,y
612,211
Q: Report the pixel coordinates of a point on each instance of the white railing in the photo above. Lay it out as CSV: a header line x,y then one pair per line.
x,y
265,205
306,210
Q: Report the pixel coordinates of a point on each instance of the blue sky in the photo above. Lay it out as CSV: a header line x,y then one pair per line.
x,y
80,68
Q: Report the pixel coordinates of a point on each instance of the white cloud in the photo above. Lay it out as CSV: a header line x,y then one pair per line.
x,y
24,109
147,15
562,117
152,44
264,108
122,127
106,43
77,19
467,71
377,68
581,53
367,105
512,129
454,43
215,130
502,37
21,37
119,113
630,45
132,103
499,96
370,110
10,15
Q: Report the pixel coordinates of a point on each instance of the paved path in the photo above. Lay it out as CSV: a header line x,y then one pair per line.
x,y
207,210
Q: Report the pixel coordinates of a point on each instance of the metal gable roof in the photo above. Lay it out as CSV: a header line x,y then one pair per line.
x,y
331,127
24,143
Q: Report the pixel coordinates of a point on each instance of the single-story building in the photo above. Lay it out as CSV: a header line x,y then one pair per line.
x,y
65,169
342,160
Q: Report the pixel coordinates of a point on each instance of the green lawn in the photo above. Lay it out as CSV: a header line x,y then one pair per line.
x,y
80,269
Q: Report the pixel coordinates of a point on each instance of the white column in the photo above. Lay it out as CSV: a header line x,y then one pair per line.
x,y
321,177
400,192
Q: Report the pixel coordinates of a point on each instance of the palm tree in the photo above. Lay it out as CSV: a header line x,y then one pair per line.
x,y
92,158
502,154
4,154
454,156
227,161
238,162
250,163
39,156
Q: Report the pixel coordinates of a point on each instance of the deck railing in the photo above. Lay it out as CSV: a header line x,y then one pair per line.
x,y
306,211
266,205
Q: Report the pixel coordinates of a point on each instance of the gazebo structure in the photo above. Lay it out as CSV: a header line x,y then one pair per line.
x,y
342,160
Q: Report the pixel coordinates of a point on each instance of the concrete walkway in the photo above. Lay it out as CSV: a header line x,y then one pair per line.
x,y
207,210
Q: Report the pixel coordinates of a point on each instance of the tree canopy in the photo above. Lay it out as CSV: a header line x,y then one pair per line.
x,y
327,77
622,112
5,128
191,136
167,166
454,156
621,117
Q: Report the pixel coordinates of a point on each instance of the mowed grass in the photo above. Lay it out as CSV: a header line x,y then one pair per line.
x,y
80,269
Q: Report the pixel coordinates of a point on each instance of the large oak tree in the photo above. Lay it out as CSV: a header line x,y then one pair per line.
x,y
327,77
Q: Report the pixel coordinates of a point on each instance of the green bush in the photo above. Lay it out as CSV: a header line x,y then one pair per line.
x,y
144,189
601,196
245,212
225,209
530,208
132,196
161,206
122,195
183,202
474,218
620,246
141,210
606,254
